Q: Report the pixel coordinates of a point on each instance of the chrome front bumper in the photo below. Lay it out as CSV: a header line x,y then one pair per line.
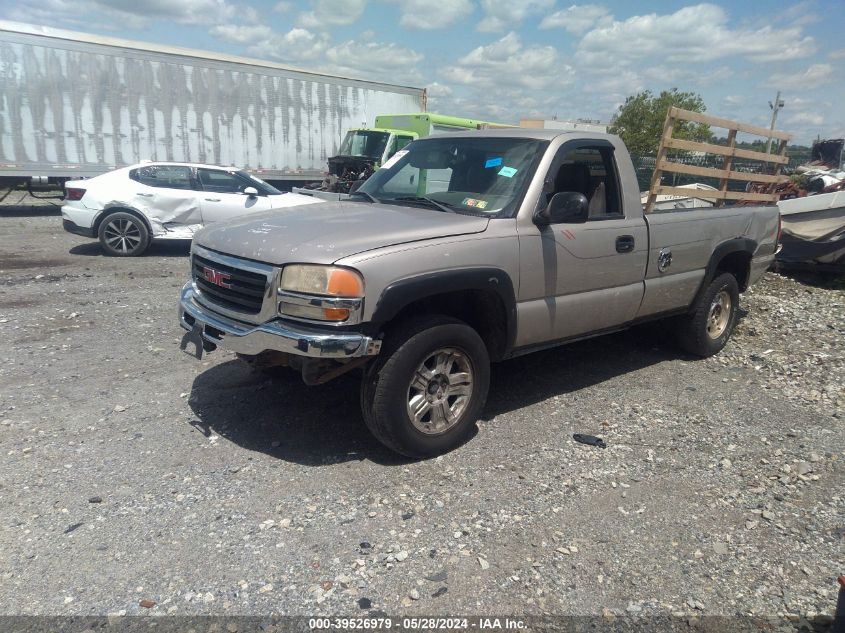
x,y
252,339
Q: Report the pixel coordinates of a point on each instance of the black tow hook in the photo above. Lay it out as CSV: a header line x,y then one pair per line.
x,y
194,336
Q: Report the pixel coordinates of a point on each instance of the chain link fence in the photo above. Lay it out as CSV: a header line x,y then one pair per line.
x,y
644,166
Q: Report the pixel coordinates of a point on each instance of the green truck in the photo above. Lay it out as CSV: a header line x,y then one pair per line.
x,y
364,150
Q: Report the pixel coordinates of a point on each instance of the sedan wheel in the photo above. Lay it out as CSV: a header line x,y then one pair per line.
x,y
123,235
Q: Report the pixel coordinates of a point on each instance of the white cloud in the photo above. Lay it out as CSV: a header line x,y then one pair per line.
x,y
500,16
804,118
383,61
578,19
698,33
366,55
507,63
837,54
734,100
328,13
183,12
432,14
294,46
241,34
438,90
283,7
122,14
813,77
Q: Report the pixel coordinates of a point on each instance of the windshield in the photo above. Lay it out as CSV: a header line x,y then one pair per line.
x,y
476,176
368,144
259,184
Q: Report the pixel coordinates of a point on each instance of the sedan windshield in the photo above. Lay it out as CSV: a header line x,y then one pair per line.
x,y
484,176
259,184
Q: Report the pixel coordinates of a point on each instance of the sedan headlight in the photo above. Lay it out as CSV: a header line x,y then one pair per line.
x,y
321,293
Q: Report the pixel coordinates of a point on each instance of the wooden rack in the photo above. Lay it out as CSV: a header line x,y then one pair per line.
x,y
778,159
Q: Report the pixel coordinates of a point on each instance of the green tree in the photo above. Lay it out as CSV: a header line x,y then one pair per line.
x,y
640,119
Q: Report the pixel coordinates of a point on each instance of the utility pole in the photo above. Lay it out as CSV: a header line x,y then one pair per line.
x,y
777,105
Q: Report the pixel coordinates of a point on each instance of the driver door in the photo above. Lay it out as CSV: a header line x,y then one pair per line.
x,y
222,196
584,276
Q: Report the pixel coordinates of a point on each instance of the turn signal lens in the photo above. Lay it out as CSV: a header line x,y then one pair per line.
x,y
345,283
313,312
335,314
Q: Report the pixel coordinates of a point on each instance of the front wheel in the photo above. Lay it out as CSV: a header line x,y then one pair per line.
x,y
123,235
706,330
424,396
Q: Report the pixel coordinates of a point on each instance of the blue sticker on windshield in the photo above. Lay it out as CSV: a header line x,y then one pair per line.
x,y
493,162
507,172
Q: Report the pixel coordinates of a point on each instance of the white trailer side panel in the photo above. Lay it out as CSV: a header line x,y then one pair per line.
x,y
78,105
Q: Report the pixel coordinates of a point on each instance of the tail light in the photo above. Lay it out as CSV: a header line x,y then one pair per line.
x,y
72,193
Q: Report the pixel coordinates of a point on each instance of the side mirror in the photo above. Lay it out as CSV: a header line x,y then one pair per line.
x,y
565,207
251,191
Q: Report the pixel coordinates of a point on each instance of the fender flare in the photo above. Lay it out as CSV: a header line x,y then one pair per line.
x,y
403,292
733,245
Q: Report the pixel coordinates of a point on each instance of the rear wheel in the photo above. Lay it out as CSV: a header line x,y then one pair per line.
x,y
706,330
123,235
422,396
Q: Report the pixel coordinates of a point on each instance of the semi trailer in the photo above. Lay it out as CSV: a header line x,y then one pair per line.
x,y
74,105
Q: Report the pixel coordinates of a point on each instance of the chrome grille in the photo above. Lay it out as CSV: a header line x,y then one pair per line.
x,y
246,289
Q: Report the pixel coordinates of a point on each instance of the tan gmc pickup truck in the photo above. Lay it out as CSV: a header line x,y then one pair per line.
x,y
462,250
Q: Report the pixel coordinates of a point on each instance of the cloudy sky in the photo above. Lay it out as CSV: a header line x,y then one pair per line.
x,y
506,59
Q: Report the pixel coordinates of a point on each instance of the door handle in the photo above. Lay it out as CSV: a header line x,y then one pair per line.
x,y
624,243
212,199
145,195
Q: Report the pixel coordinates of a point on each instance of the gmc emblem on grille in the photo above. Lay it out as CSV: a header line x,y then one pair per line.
x,y
216,277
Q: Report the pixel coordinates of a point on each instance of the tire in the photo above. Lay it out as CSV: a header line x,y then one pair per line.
x,y
706,330
123,234
452,370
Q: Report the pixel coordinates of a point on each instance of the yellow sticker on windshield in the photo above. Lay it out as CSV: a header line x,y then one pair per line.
x,y
472,202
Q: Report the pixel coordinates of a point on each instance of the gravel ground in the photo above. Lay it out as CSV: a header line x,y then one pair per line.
x,y
133,473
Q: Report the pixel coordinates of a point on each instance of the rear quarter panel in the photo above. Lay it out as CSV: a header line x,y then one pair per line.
x,y
692,236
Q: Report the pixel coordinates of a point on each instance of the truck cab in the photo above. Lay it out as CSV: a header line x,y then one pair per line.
x,y
375,144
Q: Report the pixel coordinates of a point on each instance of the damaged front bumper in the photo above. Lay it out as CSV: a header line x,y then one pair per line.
x,y
207,330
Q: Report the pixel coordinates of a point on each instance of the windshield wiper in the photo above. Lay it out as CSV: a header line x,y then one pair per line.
x,y
442,206
368,196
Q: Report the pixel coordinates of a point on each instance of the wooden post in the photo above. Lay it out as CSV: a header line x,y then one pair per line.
x,y
668,129
781,152
727,163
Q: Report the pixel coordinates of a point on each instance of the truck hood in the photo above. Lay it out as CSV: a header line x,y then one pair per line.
x,y
325,233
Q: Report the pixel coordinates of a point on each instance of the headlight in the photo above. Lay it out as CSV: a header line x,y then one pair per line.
x,y
328,288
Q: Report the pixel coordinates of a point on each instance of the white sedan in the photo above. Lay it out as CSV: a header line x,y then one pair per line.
x,y
129,207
